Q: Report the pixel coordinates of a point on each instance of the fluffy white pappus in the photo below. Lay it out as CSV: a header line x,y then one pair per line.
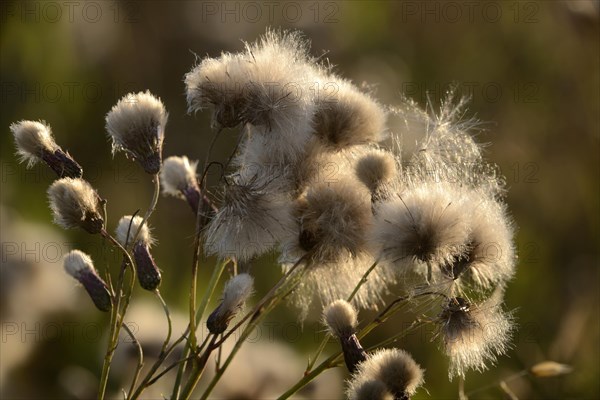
x,y
77,262
219,83
321,165
370,390
345,116
177,174
377,170
446,150
236,292
326,282
262,159
75,204
251,221
127,229
136,125
473,336
489,260
420,228
281,93
333,219
341,318
395,368
32,138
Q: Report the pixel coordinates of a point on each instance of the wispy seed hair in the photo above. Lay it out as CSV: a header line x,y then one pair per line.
x,y
136,125
76,262
341,318
75,204
395,368
251,221
474,335
177,174
424,225
345,116
127,230
376,168
32,138
236,291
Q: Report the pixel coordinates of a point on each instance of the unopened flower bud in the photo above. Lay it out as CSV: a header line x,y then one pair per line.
x,y
35,142
136,125
147,271
236,292
79,265
75,204
178,178
341,319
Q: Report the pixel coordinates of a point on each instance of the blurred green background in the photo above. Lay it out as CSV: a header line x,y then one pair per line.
x,y
531,69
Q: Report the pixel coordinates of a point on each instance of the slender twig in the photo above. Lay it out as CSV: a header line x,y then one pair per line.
x,y
257,316
163,352
323,343
212,284
140,363
199,366
263,301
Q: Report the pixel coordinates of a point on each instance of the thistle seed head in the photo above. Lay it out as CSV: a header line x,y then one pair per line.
x,y
75,204
136,125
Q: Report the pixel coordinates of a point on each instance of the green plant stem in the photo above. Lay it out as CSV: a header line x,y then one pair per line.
x,y
277,294
118,314
323,343
164,352
140,364
212,284
331,362
272,292
198,369
116,320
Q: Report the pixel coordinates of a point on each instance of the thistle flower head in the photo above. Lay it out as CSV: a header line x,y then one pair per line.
x,y
395,368
236,292
127,229
218,83
345,116
35,142
32,139
80,266
251,221
136,125
474,335
371,390
341,319
489,259
75,204
376,169
426,225
333,220
178,174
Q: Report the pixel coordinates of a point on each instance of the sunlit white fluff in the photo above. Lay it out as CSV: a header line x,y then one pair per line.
x,y
420,228
346,116
341,318
250,221
75,204
489,259
136,125
473,335
395,368
77,262
127,230
32,139
177,174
